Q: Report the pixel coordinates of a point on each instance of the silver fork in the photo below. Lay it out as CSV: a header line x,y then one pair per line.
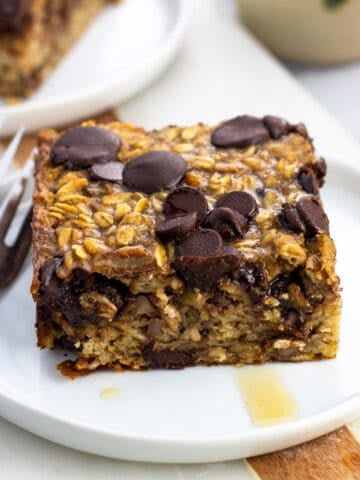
x,y
14,250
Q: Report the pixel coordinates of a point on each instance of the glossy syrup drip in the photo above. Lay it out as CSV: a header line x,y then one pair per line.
x,y
109,393
266,396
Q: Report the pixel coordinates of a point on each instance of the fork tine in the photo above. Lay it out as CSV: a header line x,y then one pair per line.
x,y
8,210
18,185
12,258
10,152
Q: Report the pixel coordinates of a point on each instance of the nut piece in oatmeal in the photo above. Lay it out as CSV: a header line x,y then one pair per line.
x,y
148,254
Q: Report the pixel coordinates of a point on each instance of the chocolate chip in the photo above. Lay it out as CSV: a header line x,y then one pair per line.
x,y
81,147
313,215
307,180
154,171
290,219
84,285
166,358
240,132
201,243
279,285
290,318
202,261
186,200
241,202
12,13
67,294
227,222
300,129
231,252
277,126
205,273
109,172
320,169
177,228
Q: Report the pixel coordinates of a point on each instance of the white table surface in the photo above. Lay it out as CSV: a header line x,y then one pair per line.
x,y
337,89
24,456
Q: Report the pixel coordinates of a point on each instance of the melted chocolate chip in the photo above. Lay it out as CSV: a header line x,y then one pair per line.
x,y
166,358
227,222
177,228
186,200
12,13
113,291
201,243
205,273
108,172
50,284
240,132
277,126
251,273
279,285
75,297
79,277
307,180
82,147
251,277
66,343
313,215
154,171
241,202
290,318
290,219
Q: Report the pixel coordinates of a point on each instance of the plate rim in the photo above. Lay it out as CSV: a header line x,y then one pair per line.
x,y
161,449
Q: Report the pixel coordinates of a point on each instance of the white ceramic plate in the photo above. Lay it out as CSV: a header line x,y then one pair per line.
x,y
194,415
124,49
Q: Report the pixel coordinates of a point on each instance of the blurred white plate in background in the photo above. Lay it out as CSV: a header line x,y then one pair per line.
x,y
124,49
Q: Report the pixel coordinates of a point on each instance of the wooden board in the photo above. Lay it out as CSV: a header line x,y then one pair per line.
x,y
335,456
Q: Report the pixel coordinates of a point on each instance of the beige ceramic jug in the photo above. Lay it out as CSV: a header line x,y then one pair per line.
x,y
315,31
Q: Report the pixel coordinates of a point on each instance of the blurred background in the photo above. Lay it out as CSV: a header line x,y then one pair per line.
x,y
319,42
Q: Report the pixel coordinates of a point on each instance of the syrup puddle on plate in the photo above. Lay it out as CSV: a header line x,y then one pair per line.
x,y
266,396
109,393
